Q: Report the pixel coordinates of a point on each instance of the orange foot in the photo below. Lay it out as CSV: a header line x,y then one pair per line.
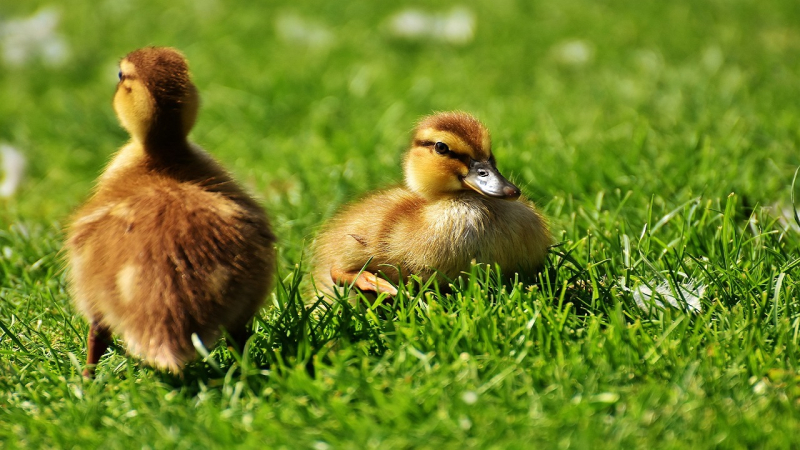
x,y
366,281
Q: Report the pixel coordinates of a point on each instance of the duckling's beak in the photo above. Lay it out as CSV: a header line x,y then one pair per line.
x,y
485,179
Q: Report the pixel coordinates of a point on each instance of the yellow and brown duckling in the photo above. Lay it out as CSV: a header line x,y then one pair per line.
x,y
455,208
168,245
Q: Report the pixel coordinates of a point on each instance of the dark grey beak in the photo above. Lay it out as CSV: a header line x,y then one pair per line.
x,y
484,178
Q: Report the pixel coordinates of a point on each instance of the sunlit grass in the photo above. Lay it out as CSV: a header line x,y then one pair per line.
x,y
660,140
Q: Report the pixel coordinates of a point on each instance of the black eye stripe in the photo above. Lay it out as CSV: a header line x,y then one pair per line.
x,y
449,153
458,156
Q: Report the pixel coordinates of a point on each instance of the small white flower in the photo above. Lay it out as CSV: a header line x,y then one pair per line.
x,y
34,37
574,52
13,164
605,397
454,27
760,388
320,445
458,26
469,397
298,30
409,24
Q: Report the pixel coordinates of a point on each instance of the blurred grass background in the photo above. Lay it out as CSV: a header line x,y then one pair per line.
x,y
673,100
611,115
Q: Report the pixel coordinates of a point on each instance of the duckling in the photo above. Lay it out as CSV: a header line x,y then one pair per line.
x,y
455,208
168,245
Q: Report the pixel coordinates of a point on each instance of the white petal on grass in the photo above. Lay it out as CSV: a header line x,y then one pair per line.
x,y
469,397
24,40
687,299
573,52
410,24
13,167
456,26
295,29
605,398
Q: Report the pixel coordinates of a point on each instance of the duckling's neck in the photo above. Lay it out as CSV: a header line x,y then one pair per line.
x,y
165,140
438,196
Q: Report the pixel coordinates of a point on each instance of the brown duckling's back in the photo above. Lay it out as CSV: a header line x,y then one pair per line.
x,y
168,246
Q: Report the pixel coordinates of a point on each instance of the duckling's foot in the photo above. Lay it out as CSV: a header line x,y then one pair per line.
x,y
97,342
366,281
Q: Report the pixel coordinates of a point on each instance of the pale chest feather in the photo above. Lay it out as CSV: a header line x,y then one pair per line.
x,y
459,227
447,237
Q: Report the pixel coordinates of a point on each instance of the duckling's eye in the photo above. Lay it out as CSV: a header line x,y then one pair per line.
x,y
441,148
120,75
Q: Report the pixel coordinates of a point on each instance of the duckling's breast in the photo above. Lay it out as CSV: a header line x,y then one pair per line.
x,y
470,228
453,233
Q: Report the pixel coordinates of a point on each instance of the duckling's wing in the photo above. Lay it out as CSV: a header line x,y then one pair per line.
x,y
361,234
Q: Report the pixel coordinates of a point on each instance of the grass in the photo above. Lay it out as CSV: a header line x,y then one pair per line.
x,y
667,156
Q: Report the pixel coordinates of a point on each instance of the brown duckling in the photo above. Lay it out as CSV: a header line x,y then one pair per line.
x,y
168,245
455,208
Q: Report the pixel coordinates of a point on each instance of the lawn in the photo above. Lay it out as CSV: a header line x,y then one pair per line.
x,y
660,138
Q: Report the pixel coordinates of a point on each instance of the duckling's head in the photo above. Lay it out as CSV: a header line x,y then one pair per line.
x,y
155,98
451,153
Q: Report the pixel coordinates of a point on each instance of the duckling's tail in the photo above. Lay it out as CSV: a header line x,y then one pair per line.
x,y
161,352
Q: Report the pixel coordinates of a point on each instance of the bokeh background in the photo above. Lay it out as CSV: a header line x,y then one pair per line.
x,y
312,104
